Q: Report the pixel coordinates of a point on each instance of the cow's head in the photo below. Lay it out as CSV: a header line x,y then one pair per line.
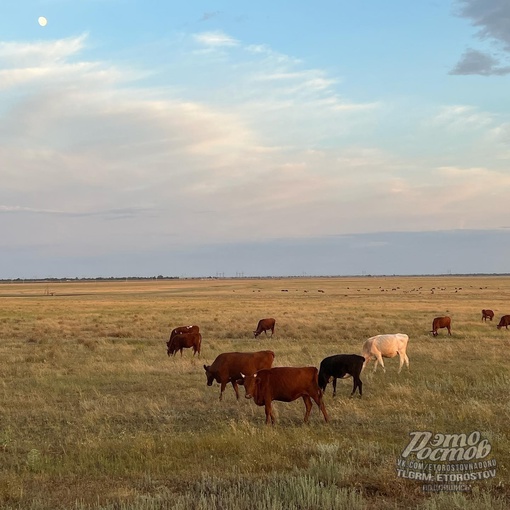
x,y
256,334
209,375
170,348
250,384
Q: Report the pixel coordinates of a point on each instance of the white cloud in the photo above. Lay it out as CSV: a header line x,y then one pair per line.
x,y
263,151
215,39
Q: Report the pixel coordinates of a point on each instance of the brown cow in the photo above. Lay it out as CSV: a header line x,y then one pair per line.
x,y
285,384
184,341
504,321
184,329
265,325
441,322
229,366
487,314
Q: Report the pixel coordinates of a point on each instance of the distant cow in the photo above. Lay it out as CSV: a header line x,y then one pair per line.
x,y
341,366
184,329
265,325
386,346
229,366
487,314
285,384
504,321
184,341
441,322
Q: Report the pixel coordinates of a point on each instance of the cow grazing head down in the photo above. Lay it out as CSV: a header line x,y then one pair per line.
x,y
441,322
228,367
504,322
184,341
265,325
209,375
341,366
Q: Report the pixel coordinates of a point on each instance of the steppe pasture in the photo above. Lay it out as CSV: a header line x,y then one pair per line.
x,y
95,415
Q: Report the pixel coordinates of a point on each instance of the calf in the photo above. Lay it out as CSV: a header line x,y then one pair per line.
x,y
229,366
285,384
341,366
441,322
184,341
504,321
386,346
265,325
487,314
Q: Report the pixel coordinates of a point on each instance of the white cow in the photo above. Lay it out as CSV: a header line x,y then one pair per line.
x,y
386,346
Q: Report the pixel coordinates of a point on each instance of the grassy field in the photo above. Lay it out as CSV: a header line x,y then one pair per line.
x,y
94,415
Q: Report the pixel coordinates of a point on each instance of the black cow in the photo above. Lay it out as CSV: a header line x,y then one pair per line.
x,y
341,366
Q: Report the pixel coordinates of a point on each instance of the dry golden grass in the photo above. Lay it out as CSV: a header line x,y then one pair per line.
x,y
93,414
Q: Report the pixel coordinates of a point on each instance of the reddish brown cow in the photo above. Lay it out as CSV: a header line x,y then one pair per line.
x,y
285,384
504,322
184,329
184,341
229,366
441,322
265,325
487,314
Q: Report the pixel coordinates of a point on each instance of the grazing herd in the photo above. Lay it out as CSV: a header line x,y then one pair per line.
x,y
264,383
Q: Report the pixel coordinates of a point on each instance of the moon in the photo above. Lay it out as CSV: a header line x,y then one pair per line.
x,y
42,21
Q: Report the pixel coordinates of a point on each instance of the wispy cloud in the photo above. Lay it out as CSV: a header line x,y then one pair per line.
x,y
215,39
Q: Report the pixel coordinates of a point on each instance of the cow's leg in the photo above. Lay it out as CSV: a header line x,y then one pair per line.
x,y
379,360
401,362
360,385
269,413
308,406
406,359
222,389
318,400
334,386
355,380
236,388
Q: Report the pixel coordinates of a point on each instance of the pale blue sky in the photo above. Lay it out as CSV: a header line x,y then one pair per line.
x,y
142,138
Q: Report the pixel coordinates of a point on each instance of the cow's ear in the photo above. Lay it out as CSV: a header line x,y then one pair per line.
x,y
206,368
242,375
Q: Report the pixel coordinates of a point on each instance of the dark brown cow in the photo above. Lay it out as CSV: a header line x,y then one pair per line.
x,y
341,366
487,314
184,329
285,384
441,322
229,366
265,325
504,322
184,341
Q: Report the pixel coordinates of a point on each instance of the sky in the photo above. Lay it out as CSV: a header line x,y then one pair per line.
x,y
205,138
